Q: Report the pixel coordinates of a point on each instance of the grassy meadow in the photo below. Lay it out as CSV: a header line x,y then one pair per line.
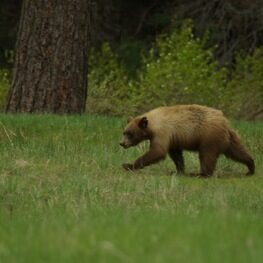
x,y
64,197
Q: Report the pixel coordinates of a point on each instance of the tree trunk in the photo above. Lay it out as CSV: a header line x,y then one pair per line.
x,y
50,71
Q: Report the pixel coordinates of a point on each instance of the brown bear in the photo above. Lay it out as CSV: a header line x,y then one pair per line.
x,y
185,127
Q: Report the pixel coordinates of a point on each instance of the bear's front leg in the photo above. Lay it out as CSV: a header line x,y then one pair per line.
x,y
154,155
127,166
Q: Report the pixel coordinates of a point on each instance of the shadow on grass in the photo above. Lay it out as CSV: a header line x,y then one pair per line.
x,y
227,174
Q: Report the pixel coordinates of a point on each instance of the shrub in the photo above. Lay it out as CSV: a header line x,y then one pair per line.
x,y
244,96
110,90
4,81
178,69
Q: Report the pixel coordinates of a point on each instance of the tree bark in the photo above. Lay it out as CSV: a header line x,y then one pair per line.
x,y
50,71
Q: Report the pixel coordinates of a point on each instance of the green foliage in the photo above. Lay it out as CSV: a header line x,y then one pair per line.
x,y
178,69
109,88
245,90
129,52
64,197
4,83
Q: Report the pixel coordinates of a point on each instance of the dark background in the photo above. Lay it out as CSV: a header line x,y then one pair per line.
x,y
131,25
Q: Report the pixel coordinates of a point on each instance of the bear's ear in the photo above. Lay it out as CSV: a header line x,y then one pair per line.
x,y
143,123
129,119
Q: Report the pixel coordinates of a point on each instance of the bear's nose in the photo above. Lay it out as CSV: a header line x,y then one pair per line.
x,y
122,144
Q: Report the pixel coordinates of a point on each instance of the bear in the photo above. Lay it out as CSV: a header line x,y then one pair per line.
x,y
172,129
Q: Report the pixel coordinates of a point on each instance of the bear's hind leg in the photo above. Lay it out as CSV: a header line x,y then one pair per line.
x,y
238,153
178,159
208,159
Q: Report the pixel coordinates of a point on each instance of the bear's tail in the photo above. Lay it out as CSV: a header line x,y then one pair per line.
x,y
237,152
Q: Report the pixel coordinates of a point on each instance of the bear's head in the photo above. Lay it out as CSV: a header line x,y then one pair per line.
x,y
135,132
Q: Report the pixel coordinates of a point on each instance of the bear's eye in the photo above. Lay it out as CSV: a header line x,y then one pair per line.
x,y
129,135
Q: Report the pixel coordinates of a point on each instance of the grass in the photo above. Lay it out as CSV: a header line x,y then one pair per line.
x,y
65,198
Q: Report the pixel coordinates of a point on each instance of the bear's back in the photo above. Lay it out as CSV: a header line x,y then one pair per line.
x,y
187,124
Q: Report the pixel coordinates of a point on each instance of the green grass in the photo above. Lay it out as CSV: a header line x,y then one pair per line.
x,y
65,198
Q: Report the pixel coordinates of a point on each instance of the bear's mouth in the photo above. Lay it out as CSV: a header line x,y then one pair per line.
x,y
124,145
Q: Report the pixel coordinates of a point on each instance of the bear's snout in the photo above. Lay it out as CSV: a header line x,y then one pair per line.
x,y
124,145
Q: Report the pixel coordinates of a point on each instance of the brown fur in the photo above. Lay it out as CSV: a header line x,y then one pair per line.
x,y
185,127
